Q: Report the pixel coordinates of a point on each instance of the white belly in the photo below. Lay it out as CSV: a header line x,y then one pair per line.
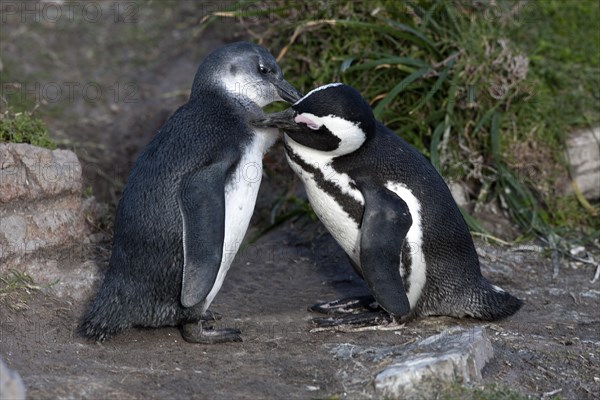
x,y
337,221
347,233
240,198
414,238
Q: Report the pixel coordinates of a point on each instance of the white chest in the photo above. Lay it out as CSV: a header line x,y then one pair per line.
x,y
240,197
345,230
337,221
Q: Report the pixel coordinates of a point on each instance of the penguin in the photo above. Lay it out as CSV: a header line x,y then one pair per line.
x,y
188,201
388,208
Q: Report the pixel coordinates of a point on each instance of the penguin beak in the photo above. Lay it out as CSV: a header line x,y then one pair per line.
x,y
282,120
287,92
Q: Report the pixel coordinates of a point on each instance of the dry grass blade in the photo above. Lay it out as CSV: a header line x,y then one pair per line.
x,y
15,289
17,286
301,29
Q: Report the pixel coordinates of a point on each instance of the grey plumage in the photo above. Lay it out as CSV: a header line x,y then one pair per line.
x,y
143,285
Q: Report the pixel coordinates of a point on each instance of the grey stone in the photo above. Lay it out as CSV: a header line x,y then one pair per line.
x,y
592,294
14,228
40,202
27,230
459,193
435,362
76,282
43,230
28,172
583,151
11,385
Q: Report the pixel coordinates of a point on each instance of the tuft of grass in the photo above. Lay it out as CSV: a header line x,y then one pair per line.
x,y
15,289
464,82
488,392
23,127
87,192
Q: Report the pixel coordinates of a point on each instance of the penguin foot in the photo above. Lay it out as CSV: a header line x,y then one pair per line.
x,y
371,318
348,305
211,316
196,333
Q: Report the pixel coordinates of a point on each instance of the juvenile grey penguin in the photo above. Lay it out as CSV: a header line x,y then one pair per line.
x,y
188,201
388,208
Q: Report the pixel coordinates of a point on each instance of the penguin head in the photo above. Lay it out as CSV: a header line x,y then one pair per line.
x,y
248,73
333,119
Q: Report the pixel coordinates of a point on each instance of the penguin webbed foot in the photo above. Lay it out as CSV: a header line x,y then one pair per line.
x,y
196,332
347,305
371,318
350,311
402,319
356,314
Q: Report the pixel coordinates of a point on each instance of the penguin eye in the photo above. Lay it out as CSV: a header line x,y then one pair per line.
x,y
262,69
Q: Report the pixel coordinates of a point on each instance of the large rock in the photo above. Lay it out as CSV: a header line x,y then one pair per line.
x,y
435,362
31,173
459,193
42,215
583,150
11,385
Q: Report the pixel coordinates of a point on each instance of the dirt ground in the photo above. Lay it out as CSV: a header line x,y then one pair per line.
x,y
552,344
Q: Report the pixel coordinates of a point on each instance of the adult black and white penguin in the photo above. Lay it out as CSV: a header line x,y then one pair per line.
x,y
188,201
388,208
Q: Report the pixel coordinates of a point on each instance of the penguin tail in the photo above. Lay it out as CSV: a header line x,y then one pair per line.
x,y
102,320
490,303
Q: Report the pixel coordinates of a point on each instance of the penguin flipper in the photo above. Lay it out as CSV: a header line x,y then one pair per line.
x,y
201,201
385,223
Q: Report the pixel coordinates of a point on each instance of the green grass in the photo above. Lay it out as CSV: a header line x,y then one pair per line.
x,y
487,93
23,127
489,392
15,289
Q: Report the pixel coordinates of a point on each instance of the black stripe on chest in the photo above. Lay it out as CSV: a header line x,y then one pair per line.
x,y
406,264
349,204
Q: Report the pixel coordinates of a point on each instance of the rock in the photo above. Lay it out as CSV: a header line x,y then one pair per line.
x,y
496,220
42,215
11,385
434,363
459,193
30,173
77,282
583,151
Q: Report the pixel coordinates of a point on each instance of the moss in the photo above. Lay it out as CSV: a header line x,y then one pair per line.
x,y
23,127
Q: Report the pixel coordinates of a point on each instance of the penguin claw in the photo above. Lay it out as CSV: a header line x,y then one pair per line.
x,y
196,333
348,305
363,319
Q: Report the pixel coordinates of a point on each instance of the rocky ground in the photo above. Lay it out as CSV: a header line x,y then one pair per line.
x,y
551,346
